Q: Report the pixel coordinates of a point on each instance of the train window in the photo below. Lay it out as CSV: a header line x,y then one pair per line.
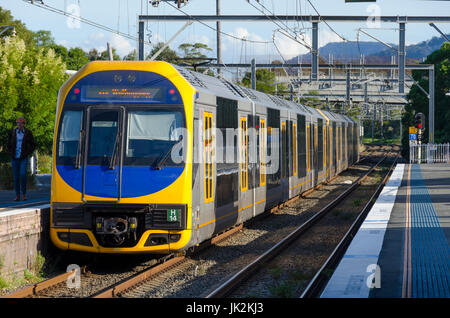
x,y
208,151
253,157
346,144
334,146
103,135
320,143
315,161
273,126
70,133
301,145
227,170
244,154
151,134
325,149
294,147
330,142
290,147
262,151
284,156
308,149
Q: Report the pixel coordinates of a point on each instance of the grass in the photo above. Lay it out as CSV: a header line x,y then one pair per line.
x,y
392,141
287,287
36,274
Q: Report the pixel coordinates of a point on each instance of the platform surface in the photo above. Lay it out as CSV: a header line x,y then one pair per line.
x,y
401,249
39,194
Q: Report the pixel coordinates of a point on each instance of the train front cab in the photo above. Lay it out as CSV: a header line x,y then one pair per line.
x,y
113,183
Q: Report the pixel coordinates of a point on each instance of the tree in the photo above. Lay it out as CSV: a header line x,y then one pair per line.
x,y
167,55
21,31
43,38
30,78
265,80
76,59
418,102
132,56
95,55
193,53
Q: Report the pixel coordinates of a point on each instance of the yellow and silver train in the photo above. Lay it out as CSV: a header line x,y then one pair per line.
x,y
149,157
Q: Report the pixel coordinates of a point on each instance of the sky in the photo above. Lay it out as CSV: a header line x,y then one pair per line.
x,y
122,15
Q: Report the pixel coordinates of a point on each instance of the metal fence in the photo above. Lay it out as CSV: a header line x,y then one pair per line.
x,y
429,153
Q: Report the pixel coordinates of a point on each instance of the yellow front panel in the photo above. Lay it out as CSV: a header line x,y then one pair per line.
x,y
179,192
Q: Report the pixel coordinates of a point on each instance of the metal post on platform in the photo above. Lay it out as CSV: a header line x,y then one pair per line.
x,y
431,105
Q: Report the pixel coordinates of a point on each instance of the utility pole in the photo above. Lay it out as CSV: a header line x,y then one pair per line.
x,y
401,58
219,37
315,51
141,41
253,74
110,53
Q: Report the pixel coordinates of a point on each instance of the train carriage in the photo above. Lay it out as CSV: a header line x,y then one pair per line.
x,y
154,158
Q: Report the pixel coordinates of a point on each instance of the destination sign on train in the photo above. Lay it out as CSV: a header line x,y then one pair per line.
x,y
141,93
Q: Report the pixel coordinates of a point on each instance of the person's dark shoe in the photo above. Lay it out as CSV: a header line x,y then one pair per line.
x,y
24,198
17,198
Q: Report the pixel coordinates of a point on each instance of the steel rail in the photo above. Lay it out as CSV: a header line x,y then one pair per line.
x,y
137,279
34,289
319,281
130,283
227,287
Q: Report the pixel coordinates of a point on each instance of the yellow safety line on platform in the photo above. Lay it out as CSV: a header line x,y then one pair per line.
x,y
407,263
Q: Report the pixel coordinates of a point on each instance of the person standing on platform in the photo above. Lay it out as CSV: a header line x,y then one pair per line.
x,y
20,146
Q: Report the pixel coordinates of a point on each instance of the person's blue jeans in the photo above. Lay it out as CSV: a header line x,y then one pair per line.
x,y
19,167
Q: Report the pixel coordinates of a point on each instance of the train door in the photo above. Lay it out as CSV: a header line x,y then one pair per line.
x,y
294,147
102,156
334,149
285,158
315,154
246,184
261,163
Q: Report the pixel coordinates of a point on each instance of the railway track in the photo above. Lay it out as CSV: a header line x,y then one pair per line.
x,y
138,284
234,282
320,279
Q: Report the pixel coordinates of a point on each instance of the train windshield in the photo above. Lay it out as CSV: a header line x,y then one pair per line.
x,y
103,136
142,136
151,135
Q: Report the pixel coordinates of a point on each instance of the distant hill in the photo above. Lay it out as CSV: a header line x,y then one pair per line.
x,y
344,51
420,50
374,52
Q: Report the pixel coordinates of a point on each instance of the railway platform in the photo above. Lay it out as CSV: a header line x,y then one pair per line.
x,y
24,228
40,193
402,248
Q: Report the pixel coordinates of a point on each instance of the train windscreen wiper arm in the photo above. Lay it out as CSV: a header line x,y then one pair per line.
x,y
78,156
115,152
157,165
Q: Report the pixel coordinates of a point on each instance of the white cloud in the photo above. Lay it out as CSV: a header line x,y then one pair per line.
x,y
121,44
99,40
289,48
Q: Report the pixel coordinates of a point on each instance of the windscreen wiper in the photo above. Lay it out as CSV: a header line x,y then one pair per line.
x,y
78,156
157,165
115,152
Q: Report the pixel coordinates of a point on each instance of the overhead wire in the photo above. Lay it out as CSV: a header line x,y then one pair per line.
x,y
294,38
84,20
343,38
214,29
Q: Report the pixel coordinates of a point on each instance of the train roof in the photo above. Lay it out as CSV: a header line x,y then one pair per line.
x,y
223,88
